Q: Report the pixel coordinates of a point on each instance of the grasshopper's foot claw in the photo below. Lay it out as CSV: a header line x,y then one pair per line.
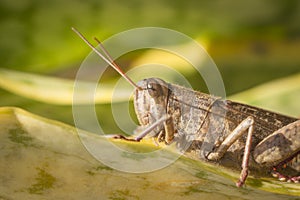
x,y
243,177
295,179
239,183
121,137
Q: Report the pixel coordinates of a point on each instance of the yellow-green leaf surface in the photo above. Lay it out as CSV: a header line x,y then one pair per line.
x,y
45,159
56,90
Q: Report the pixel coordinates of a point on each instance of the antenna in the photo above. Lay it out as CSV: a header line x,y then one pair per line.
x,y
105,52
108,60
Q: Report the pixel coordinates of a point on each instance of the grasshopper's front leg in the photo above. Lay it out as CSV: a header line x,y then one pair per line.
x,y
247,124
167,134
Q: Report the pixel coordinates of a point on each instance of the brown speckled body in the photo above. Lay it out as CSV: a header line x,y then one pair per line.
x,y
201,123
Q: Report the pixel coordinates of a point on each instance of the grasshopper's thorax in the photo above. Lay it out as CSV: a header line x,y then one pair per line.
x,y
151,101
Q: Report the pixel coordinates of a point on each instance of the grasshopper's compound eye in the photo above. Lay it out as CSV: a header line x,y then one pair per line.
x,y
153,89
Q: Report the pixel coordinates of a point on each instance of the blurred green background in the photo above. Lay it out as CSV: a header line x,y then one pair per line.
x,y
251,42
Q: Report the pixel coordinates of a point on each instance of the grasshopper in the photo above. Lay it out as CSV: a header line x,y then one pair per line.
x,y
213,129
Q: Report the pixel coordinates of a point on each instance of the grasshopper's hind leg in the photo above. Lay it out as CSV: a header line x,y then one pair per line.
x,y
280,147
247,124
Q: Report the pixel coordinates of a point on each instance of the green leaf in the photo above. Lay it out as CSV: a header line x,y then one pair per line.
x,y
57,90
46,159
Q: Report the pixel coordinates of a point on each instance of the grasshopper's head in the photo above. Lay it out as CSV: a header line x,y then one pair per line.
x,y
150,102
